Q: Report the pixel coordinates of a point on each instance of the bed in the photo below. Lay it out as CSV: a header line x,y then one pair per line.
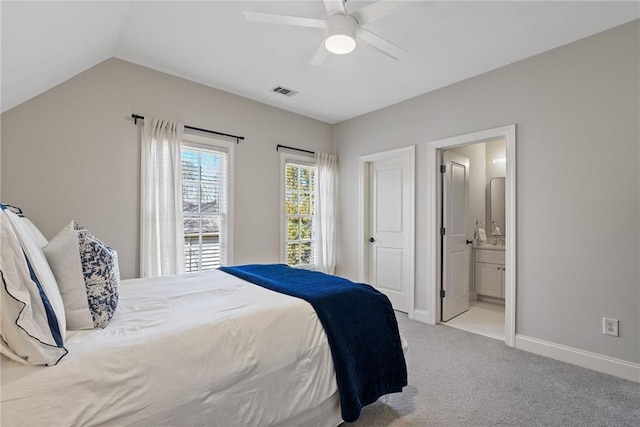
x,y
204,348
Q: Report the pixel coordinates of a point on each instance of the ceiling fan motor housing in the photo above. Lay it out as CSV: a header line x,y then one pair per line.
x,y
341,28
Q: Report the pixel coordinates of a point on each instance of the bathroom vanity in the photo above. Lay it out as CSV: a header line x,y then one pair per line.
x,y
489,259
489,270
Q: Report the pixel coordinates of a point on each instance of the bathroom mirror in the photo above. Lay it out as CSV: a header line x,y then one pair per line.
x,y
496,207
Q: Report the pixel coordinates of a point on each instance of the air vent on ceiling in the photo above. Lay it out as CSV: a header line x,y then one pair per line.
x,y
284,91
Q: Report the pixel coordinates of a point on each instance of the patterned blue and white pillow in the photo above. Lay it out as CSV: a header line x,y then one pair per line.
x,y
32,331
88,276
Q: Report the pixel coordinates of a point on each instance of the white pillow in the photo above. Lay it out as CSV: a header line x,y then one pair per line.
x,y
40,267
36,235
29,329
88,276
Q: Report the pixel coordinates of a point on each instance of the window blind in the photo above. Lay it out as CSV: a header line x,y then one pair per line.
x,y
205,207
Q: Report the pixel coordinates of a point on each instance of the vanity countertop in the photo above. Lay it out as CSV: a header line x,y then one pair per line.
x,y
490,247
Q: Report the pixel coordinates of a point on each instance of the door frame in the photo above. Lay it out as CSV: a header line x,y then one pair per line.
x,y
433,221
363,213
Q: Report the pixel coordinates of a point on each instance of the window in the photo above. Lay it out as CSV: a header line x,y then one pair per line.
x,y
205,205
299,212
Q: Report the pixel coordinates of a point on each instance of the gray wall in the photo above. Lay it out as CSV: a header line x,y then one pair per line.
x,y
73,153
577,110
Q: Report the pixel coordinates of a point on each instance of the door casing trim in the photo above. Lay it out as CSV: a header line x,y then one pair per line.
x,y
433,220
363,213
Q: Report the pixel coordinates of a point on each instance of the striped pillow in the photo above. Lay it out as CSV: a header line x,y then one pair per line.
x,y
34,233
31,330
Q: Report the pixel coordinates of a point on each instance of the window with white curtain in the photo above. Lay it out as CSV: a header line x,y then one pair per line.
x,y
206,179
299,209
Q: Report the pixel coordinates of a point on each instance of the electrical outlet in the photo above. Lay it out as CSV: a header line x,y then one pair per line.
x,y
610,326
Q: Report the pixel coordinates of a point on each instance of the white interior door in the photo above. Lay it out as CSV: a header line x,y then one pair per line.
x,y
390,204
455,254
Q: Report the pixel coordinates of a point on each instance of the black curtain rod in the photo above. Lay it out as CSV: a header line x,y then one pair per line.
x,y
278,147
137,117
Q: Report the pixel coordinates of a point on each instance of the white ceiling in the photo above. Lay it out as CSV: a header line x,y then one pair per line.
x,y
46,43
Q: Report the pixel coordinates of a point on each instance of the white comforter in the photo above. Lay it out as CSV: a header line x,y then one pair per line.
x,y
204,349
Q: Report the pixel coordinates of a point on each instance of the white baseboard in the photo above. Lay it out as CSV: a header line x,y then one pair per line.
x,y
421,316
597,362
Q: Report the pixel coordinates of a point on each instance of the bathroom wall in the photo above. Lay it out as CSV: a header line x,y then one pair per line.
x,y
496,150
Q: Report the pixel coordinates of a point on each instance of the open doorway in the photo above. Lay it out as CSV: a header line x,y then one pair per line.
x,y
473,240
445,282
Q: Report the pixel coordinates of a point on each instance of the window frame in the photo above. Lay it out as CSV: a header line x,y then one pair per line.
x,y
303,160
210,143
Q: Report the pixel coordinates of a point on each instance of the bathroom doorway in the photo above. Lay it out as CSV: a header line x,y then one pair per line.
x,y
474,232
473,215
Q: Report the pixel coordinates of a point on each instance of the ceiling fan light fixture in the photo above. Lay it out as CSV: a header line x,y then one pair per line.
x,y
340,44
341,34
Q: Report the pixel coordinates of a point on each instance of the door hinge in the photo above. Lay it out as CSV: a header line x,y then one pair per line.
x,y
443,168
443,231
442,293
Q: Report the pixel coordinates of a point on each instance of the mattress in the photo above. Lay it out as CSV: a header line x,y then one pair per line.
x,y
198,349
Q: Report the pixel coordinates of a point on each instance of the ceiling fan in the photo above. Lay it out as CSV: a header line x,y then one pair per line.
x,y
341,28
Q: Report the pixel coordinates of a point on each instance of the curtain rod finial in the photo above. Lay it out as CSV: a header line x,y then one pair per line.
x,y
136,117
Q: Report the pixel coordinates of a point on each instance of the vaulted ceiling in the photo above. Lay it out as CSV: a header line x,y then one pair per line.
x,y
46,43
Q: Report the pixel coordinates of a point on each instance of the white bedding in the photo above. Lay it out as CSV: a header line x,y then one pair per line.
x,y
199,349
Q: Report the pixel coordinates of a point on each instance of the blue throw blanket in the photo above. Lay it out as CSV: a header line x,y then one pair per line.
x,y
360,325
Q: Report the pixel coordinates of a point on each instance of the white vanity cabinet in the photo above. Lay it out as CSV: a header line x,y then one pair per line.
x,y
489,271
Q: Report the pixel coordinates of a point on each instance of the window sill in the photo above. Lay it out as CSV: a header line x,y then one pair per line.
x,y
305,266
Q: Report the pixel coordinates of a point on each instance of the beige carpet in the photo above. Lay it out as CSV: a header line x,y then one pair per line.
x,y
457,378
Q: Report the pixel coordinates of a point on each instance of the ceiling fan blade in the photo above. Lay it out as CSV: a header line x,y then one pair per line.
x,y
335,6
271,18
319,56
377,10
381,44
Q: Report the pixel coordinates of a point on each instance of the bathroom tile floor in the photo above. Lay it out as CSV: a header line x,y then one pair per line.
x,y
482,318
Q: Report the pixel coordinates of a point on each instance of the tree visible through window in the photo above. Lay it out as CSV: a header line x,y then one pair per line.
x,y
299,214
204,196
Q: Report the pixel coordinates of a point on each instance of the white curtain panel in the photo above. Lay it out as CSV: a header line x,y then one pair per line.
x,y
326,212
161,228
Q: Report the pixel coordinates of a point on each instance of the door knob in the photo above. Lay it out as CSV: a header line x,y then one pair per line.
x,y
371,239
469,242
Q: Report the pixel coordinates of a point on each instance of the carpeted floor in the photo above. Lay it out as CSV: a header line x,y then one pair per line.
x,y
457,378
